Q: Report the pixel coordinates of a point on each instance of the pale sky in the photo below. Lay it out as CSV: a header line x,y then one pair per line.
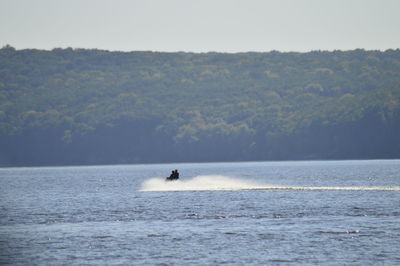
x,y
201,25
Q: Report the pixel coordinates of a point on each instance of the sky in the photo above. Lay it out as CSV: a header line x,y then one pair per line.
x,y
202,25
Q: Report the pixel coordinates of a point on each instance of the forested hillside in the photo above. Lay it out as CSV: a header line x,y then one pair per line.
x,y
77,106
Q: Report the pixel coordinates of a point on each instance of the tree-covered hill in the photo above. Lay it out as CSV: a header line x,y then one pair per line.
x,y
77,106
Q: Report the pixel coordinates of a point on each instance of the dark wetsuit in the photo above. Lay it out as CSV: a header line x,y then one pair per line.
x,y
174,176
171,176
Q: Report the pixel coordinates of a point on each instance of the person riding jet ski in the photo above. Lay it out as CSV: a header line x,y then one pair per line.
x,y
174,175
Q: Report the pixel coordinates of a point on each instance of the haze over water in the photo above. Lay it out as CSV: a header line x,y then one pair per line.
x,y
321,212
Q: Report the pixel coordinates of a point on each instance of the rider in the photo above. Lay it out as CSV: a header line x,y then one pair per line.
x,y
176,174
172,175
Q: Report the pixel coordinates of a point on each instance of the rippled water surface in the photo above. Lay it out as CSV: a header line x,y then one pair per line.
x,y
325,213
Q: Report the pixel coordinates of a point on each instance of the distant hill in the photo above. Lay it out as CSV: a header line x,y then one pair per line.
x,y
77,106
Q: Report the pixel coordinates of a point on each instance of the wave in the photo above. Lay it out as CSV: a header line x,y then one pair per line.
x,y
204,182
219,182
331,188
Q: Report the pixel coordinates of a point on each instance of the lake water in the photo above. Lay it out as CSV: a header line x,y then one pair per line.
x,y
253,213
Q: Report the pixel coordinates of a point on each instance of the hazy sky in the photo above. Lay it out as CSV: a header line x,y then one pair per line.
x,y
202,25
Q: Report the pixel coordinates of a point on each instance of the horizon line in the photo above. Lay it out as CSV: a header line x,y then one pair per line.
x,y
197,52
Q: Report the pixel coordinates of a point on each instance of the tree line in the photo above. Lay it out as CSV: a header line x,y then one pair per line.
x,y
81,106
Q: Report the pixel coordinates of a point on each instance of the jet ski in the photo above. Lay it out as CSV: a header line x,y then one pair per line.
x,y
174,176
171,178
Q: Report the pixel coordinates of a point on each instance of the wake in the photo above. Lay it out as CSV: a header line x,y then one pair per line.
x,y
219,182
205,182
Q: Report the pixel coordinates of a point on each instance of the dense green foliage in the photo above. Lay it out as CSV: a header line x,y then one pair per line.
x,y
90,106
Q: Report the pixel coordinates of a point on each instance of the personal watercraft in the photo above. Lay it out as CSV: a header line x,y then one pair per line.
x,y
171,178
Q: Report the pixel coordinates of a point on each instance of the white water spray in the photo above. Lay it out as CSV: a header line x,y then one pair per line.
x,y
219,182
205,182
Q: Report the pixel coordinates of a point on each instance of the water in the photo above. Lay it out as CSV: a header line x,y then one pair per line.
x,y
273,213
